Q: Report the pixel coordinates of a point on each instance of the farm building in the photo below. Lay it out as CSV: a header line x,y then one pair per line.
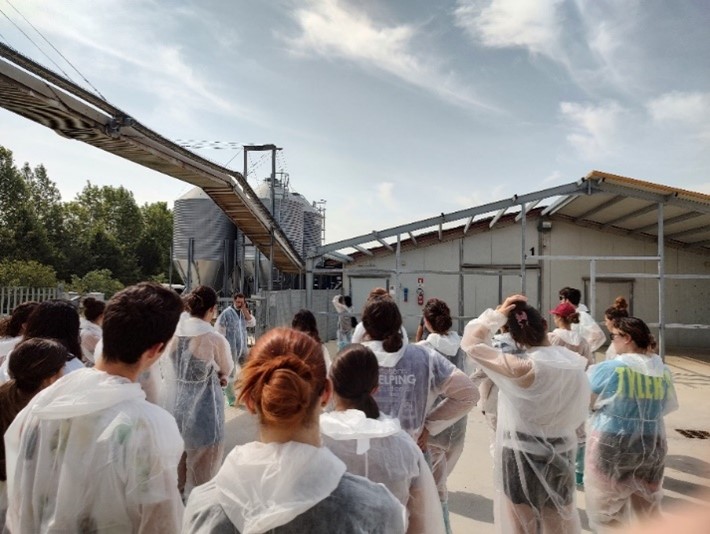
x,y
604,234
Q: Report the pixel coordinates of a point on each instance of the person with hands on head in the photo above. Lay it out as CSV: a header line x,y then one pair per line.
x,y
543,397
195,367
232,323
287,482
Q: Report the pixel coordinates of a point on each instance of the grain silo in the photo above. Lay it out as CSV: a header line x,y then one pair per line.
x,y
203,241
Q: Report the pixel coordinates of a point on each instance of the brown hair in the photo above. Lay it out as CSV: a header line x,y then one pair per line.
x,y
56,319
637,330
355,374
383,322
19,317
200,300
620,308
526,325
35,360
305,321
438,314
93,308
284,378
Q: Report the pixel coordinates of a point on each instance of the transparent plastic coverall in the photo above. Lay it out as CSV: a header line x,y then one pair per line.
x,y
378,449
626,437
290,488
543,397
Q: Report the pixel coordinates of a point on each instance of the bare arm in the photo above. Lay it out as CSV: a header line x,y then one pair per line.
x,y
460,396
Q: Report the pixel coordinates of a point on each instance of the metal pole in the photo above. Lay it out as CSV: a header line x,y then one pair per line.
x,y
661,286
170,266
225,274
396,269
310,265
592,287
522,248
273,214
461,282
190,259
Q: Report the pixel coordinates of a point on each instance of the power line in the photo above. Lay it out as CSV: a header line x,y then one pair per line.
x,y
58,52
31,41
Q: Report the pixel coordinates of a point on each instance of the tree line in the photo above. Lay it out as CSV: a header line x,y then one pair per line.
x,y
100,241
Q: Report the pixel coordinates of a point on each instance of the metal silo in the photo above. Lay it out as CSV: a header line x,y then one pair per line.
x,y
312,228
203,240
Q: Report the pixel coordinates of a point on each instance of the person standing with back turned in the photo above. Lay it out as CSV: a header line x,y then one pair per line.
x,y
89,453
232,323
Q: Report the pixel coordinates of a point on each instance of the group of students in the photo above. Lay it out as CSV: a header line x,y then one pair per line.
x,y
360,444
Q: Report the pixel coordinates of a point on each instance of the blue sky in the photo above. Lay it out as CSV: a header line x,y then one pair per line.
x,y
391,111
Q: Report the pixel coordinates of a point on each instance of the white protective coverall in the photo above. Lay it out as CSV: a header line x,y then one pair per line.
x,y
289,488
72,365
90,334
626,441
543,397
589,328
89,454
412,379
360,334
150,380
6,346
192,364
378,449
445,448
574,341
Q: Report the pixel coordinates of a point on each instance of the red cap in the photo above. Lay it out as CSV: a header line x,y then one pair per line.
x,y
564,309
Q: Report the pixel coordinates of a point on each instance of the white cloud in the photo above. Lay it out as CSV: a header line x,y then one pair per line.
x,y
330,29
691,108
594,127
385,196
531,24
553,178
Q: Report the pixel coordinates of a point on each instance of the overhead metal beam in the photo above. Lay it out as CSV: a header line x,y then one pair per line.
x,y
558,204
600,207
668,222
575,187
631,215
468,225
689,231
363,250
337,256
669,199
414,239
382,241
497,217
528,207
441,227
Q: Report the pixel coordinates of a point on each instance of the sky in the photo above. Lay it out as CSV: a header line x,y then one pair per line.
x,y
391,111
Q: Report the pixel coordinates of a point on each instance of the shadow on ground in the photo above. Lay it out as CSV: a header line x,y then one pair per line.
x,y
471,505
688,465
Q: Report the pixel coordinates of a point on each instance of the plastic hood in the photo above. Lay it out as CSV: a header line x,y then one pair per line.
x,y
384,358
262,486
571,337
354,424
447,345
84,392
192,327
650,365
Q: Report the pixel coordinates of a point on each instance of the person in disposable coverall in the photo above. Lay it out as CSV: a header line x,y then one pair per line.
x,y
374,445
446,447
37,363
587,326
543,397
89,453
232,323
15,328
195,367
287,482
90,328
343,304
619,309
305,321
414,377
359,334
626,445
565,315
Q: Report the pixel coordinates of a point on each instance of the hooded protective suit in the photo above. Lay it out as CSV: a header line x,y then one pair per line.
x,y
192,365
381,451
412,379
543,397
290,488
90,334
589,329
89,454
445,448
626,441
572,340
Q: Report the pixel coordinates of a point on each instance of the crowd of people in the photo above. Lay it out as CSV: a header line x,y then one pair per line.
x,y
116,421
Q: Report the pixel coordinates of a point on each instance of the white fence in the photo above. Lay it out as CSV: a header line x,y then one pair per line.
x,y
12,296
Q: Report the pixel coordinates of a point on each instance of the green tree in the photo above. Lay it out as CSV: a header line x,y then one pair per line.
x,y
100,280
153,248
22,235
105,224
20,273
